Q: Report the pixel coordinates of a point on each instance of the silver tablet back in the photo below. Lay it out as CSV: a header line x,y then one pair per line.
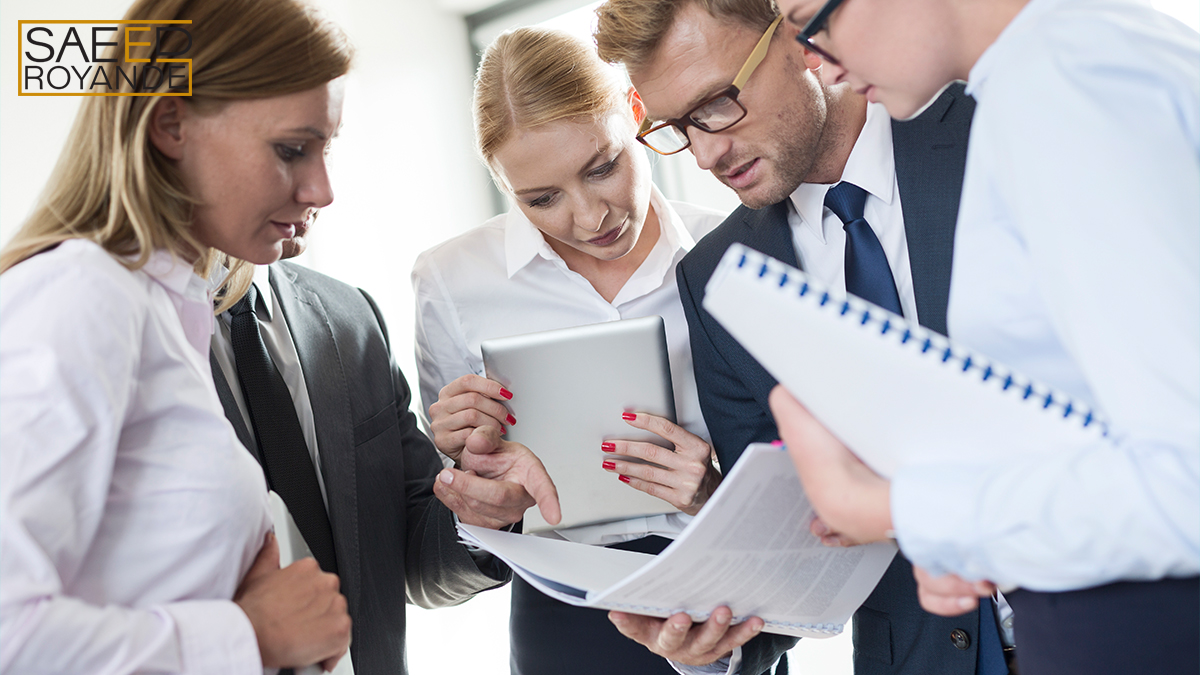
x,y
570,387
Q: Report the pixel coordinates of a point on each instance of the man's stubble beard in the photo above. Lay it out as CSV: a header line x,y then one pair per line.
x,y
798,144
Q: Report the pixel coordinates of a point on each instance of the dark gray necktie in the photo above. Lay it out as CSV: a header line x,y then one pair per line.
x,y
868,274
286,460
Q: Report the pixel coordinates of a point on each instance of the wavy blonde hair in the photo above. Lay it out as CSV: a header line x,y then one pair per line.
x,y
533,76
113,187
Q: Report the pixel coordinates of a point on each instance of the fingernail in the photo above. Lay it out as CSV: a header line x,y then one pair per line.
x,y
777,443
446,477
629,416
754,630
679,627
721,619
821,528
503,430
966,602
608,447
609,466
505,393
623,479
510,419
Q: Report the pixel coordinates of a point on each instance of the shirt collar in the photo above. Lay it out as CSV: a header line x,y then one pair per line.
x,y
266,296
871,166
523,241
176,276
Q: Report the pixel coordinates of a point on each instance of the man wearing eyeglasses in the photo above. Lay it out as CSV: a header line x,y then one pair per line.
x,y
828,182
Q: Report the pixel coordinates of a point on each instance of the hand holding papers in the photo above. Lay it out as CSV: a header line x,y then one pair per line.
x,y
749,549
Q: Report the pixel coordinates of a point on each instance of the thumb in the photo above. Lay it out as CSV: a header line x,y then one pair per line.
x,y
539,485
267,560
483,440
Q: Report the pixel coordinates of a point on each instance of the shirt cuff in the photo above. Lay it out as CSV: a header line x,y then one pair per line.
x,y
215,636
933,511
732,665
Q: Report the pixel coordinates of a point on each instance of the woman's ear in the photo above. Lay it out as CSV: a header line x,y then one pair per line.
x,y
166,126
639,108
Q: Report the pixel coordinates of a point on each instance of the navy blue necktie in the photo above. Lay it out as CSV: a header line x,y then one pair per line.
x,y
990,655
285,457
867,272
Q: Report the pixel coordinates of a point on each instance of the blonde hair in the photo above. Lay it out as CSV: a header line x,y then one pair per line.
x,y
113,187
629,31
533,76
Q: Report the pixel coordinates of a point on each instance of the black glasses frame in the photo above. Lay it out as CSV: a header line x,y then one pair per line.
x,y
682,123
818,23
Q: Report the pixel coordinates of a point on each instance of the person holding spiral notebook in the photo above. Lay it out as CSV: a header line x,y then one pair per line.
x,y
1096,296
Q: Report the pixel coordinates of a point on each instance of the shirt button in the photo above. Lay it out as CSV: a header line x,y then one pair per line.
x,y
960,639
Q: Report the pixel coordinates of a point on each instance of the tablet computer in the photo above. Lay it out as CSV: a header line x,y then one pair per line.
x,y
570,387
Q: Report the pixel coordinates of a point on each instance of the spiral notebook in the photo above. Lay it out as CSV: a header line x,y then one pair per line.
x,y
749,548
893,392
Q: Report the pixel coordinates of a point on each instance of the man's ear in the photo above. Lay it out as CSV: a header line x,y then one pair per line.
x,y
811,60
166,126
639,108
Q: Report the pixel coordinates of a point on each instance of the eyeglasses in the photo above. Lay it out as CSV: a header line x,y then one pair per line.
x,y
815,25
713,114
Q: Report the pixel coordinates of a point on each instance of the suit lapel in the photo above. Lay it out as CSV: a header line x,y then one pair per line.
x,y
769,232
229,403
930,154
328,392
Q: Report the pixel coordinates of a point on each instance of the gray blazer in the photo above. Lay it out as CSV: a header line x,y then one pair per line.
x,y
395,541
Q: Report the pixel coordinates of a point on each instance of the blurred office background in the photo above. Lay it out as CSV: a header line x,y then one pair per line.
x,y
406,177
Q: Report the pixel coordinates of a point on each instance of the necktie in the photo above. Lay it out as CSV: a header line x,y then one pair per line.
x,y
867,272
990,656
285,457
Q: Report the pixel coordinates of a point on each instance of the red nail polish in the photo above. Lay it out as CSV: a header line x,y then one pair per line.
x,y
629,416
623,479
505,393
511,420
503,430
608,447
777,443
609,465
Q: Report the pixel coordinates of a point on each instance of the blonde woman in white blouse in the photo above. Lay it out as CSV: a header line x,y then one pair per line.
x,y
589,239
134,530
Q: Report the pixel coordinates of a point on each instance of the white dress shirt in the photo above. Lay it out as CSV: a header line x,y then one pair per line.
x,y
1077,261
129,511
502,279
820,236
282,349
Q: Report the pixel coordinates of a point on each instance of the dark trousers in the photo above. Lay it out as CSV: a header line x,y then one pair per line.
x,y
1126,628
549,637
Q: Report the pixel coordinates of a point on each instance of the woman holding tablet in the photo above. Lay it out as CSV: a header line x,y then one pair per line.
x,y
590,239
132,521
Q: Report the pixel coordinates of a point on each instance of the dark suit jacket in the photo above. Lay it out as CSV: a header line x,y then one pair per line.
x,y
394,540
891,632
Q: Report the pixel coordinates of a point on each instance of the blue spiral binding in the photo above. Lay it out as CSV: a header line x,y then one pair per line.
x,y
930,342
